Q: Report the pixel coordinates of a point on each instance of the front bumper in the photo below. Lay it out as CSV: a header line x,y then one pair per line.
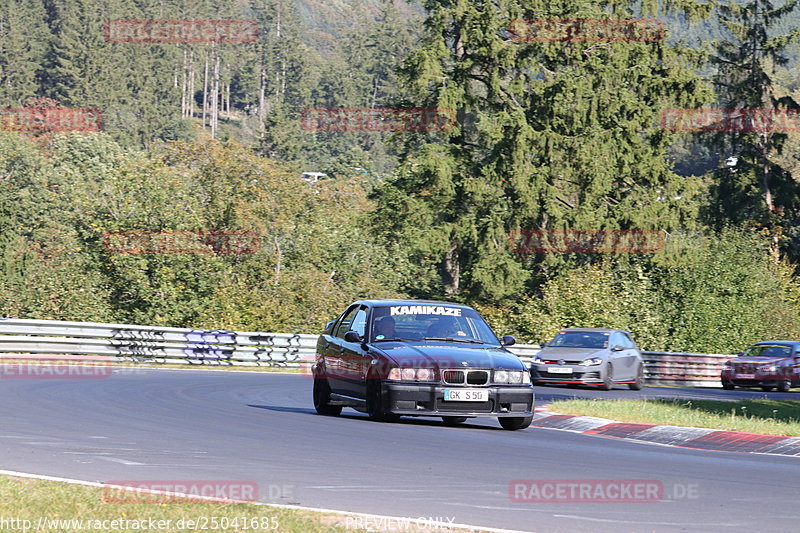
x,y
759,379
589,375
421,399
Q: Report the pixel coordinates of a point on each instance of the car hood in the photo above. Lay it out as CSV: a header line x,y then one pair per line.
x,y
571,354
441,355
757,360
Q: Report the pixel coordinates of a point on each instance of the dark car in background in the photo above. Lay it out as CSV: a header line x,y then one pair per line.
x,y
768,364
392,358
589,356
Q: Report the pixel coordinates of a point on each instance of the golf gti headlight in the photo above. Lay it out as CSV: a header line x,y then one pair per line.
x,y
511,377
537,359
769,368
411,374
592,362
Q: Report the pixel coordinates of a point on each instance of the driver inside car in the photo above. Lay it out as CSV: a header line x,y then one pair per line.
x,y
384,328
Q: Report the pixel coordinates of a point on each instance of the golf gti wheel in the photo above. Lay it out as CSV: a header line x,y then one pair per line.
x,y
322,398
515,422
608,381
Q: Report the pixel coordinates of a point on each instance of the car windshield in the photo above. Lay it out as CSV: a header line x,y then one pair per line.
x,y
768,350
430,322
580,339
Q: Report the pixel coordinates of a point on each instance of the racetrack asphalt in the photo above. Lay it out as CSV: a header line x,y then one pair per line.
x,y
218,425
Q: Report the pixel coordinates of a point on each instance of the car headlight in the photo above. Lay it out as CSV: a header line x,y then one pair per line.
x,y
411,374
512,377
769,368
537,359
592,362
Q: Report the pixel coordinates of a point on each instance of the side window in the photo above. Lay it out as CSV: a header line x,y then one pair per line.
x,y
345,323
617,340
627,342
359,324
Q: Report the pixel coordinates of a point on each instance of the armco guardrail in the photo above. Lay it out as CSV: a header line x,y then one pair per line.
x,y
24,338
125,342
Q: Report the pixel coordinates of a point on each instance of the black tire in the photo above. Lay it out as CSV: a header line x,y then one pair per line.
x,y
639,382
513,423
322,397
766,388
727,385
784,385
375,408
454,420
608,382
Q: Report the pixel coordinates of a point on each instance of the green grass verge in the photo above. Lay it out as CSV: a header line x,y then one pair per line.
x,y
54,506
33,499
770,417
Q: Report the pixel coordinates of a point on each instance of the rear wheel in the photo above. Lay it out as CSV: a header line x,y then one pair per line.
x,y
375,407
784,385
513,423
322,398
766,388
454,420
639,381
608,381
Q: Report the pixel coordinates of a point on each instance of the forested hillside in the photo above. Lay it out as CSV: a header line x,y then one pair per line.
x,y
205,138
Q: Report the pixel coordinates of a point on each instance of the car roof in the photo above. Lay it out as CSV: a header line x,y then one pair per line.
x,y
397,301
776,342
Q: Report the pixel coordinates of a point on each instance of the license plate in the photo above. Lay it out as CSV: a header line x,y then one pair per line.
x,y
466,395
744,376
558,370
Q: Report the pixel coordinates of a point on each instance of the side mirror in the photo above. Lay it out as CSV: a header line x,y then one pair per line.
x,y
508,340
352,336
329,325
739,354
543,344
617,348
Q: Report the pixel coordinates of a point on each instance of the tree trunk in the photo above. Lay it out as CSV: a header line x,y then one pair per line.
x,y
450,271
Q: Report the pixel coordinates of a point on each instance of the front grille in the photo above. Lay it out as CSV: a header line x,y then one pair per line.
x,y
458,376
478,377
555,362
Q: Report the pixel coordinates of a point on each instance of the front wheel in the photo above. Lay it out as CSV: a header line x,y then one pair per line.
x,y
375,409
784,385
513,423
322,398
608,381
727,385
639,382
